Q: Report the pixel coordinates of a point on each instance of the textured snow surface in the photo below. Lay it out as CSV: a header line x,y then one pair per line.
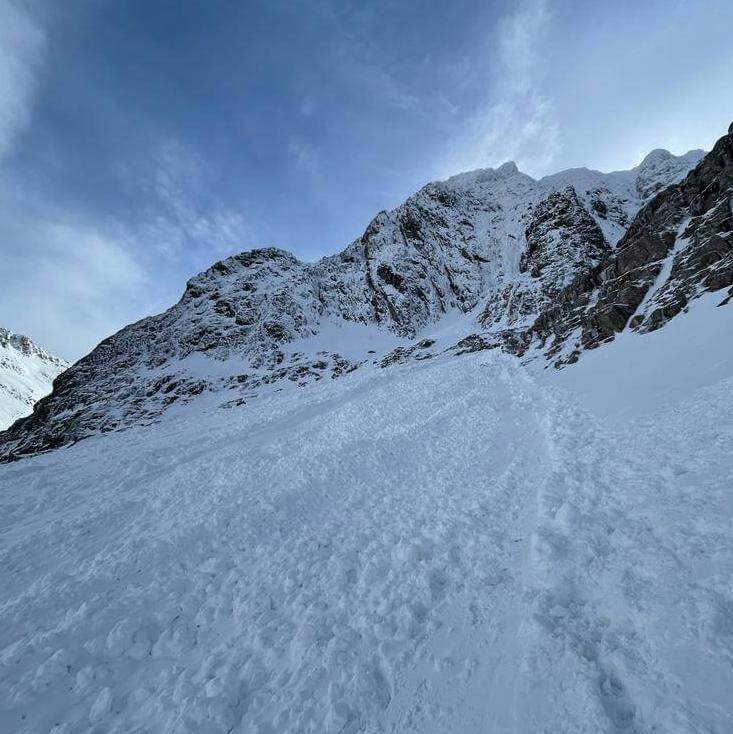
x,y
448,546
26,374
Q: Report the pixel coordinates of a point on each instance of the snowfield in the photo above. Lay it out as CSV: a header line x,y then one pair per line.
x,y
456,545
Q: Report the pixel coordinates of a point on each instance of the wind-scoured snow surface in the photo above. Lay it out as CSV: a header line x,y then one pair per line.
x,y
443,546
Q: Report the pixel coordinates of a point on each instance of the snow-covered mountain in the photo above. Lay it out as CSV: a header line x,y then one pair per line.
x,y
544,269
355,496
26,375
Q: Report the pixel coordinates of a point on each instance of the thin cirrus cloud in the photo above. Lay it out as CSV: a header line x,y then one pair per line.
x,y
58,274
179,220
22,41
72,276
514,119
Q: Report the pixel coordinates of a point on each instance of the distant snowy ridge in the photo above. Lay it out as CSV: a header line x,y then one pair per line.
x,y
26,375
544,269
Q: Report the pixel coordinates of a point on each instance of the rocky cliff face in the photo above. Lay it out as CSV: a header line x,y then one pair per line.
x,y
26,374
679,246
536,267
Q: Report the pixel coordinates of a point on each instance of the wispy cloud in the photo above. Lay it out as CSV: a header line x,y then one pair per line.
x,y
91,282
22,43
308,106
359,60
73,277
67,282
304,155
181,220
517,121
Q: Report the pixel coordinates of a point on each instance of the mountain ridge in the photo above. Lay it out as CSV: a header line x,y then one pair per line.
x,y
520,260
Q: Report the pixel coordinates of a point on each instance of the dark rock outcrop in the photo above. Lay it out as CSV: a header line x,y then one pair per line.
x,y
679,246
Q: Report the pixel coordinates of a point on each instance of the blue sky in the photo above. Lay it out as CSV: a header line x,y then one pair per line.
x,y
141,140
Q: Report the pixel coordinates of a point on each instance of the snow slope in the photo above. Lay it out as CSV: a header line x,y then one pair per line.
x,y
441,546
639,373
26,374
